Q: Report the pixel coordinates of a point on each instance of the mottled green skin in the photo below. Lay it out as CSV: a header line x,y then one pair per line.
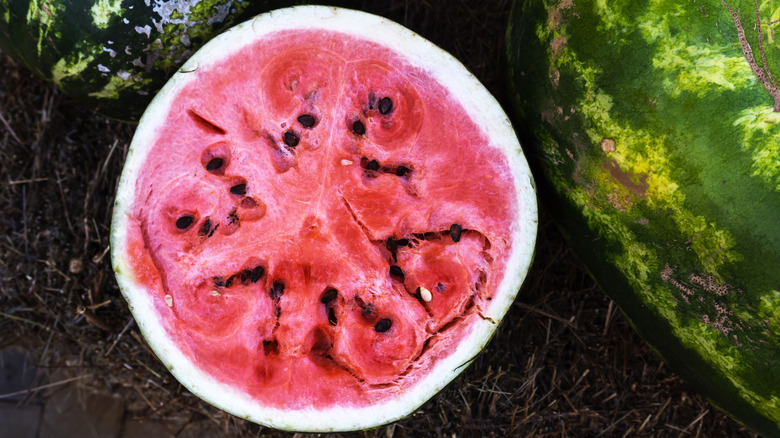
x,y
658,148
113,55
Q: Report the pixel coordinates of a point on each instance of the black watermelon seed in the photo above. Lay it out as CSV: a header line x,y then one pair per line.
x,y
397,272
248,202
358,127
244,276
372,165
184,222
214,164
307,120
277,290
291,139
229,281
402,170
238,189
403,242
455,231
332,316
385,105
219,281
205,229
392,244
329,296
383,325
257,274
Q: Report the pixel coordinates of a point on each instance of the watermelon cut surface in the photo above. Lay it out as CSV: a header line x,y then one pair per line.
x,y
322,220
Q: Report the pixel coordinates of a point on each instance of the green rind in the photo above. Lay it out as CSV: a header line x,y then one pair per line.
x,y
659,151
114,55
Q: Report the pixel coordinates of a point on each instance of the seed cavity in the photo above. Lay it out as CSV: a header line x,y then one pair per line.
x,y
270,347
291,139
383,325
238,189
332,316
367,309
455,232
307,120
216,158
358,127
233,219
248,202
184,222
206,229
402,170
385,105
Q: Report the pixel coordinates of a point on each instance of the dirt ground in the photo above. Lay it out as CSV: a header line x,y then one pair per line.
x,y
563,363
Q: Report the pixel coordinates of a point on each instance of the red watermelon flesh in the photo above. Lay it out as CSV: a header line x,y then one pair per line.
x,y
319,222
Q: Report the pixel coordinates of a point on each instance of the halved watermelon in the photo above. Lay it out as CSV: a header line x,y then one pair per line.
x,y
322,220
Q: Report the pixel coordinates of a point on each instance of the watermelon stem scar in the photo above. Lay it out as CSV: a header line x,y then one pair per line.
x,y
762,72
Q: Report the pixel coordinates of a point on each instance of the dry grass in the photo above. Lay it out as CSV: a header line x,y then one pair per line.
x,y
564,363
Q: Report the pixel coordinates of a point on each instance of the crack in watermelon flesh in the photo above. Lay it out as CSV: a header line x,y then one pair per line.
x,y
298,199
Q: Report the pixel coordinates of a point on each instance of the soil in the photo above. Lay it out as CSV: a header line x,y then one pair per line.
x,y
565,362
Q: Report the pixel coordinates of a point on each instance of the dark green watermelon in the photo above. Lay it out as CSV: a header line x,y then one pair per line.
x,y
654,129
113,55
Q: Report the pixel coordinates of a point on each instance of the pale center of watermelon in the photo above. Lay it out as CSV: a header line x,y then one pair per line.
x,y
319,221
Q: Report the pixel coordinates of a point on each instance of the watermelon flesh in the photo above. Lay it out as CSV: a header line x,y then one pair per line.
x,y
323,227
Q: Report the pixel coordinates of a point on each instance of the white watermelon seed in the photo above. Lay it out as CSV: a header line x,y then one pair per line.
x,y
425,294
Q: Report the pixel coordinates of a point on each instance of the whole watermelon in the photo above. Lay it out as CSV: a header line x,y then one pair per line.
x,y
654,128
113,55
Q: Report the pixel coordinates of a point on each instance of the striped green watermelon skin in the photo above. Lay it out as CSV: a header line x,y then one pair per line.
x,y
655,135
113,55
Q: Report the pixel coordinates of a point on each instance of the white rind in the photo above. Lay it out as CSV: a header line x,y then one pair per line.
x,y
480,105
